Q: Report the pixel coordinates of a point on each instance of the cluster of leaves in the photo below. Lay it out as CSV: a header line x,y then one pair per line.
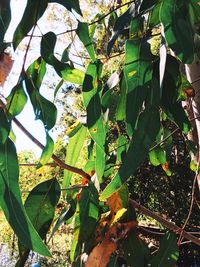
x,y
149,88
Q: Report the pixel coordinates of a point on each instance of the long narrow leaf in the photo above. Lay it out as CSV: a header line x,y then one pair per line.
x,y
11,203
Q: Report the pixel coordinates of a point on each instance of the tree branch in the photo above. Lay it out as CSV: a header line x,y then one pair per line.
x,y
59,162
167,224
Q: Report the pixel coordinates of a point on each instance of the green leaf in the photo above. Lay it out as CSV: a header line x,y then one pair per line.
x,y
121,106
69,4
44,109
157,156
148,127
33,11
83,34
174,18
138,72
58,86
47,151
99,163
136,252
72,75
92,103
5,17
4,127
40,206
168,252
11,203
63,69
154,18
65,215
147,5
171,85
122,147
73,152
86,217
16,100
122,22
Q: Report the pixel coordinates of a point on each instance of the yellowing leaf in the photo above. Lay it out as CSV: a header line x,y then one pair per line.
x,y
118,200
120,213
6,64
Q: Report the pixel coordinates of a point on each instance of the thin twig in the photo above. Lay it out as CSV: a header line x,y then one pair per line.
x,y
73,187
167,224
59,162
192,202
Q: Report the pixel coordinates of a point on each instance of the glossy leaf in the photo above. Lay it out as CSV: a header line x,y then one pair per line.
x,y
171,85
69,4
11,203
65,215
138,74
168,252
86,217
64,70
83,34
136,251
147,129
40,206
16,100
47,151
73,152
122,22
33,11
5,17
43,108
157,156
174,18
4,127
121,107
99,163
93,104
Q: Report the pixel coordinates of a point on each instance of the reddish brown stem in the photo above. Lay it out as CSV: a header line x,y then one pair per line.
x,y
59,162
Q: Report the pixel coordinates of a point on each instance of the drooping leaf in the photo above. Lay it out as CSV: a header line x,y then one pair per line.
x,y
83,34
119,199
69,4
171,85
154,18
59,85
157,156
43,108
47,151
122,22
138,74
95,124
174,18
4,127
168,252
11,203
148,127
33,11
5,17
40,207
122,147
99,163
16,100
64,70
136,251
93,104
65,215
86,217
73,152
121,107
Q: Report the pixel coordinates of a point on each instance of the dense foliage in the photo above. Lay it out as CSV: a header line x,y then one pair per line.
x,y
130,113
